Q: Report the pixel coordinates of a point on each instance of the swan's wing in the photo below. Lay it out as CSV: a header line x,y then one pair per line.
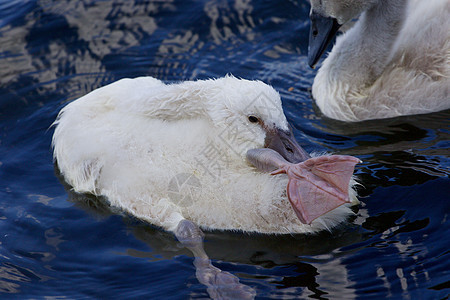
x,y
319,185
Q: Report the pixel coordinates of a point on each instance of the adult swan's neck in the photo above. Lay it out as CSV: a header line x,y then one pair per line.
x,y
361,54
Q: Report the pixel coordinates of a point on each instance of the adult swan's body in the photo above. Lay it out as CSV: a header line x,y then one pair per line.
x,y
180,156
394,61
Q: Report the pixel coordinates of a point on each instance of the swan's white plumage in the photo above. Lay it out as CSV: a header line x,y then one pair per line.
x,y
127,141
394,61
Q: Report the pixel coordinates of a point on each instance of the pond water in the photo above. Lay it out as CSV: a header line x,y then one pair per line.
x,y
57,244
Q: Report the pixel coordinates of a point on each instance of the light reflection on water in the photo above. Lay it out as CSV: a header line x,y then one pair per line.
x,y
57,243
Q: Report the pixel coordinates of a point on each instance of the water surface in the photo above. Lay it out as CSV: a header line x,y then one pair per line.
x,y
54,243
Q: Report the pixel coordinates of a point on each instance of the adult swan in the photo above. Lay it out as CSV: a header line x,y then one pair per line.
x,y
394,61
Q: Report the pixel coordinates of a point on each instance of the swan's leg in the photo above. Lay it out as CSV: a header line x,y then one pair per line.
x,y
220,284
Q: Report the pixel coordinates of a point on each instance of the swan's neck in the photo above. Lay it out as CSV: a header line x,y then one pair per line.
x,y
361,54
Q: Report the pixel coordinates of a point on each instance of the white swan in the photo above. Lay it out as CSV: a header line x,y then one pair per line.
x,y
134,140
180,156
394,61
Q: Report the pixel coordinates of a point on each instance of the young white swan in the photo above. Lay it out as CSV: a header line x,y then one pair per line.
x,y
180,156
394,61
136,141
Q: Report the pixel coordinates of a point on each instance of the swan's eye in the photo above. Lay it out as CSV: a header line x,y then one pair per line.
x,y
253,119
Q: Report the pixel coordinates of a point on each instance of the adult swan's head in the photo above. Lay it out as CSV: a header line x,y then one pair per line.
x,y
327,16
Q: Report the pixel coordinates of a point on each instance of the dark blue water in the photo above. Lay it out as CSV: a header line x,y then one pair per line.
x,y
54,243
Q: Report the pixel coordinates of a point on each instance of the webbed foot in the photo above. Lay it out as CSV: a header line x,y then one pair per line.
x,y
220,284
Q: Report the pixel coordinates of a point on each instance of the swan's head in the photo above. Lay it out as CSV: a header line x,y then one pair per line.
x,y
327,16
249,115
341,10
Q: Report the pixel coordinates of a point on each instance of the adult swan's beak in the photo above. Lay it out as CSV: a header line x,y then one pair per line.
x,y
322,31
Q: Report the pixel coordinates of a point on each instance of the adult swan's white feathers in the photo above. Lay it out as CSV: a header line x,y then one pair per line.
x,y
394,61
180,156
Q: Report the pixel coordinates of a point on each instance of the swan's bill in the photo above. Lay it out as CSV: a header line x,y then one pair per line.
x,y
322,31
283,142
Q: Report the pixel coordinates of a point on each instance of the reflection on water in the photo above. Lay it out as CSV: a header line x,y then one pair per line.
x,y
306,266
59,244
